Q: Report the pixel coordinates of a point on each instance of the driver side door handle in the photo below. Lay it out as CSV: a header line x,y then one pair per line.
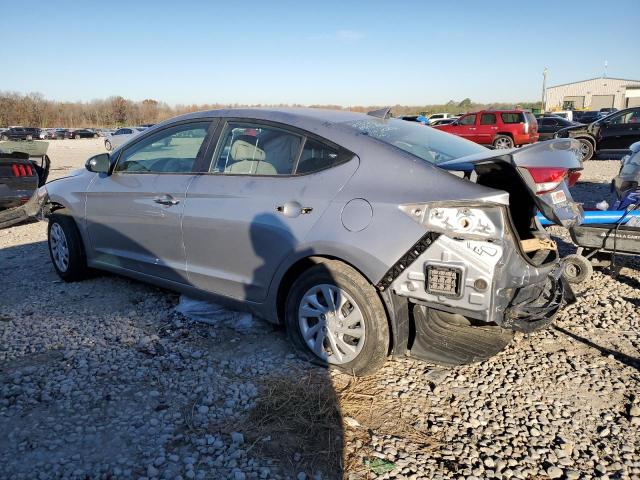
x,y
166,200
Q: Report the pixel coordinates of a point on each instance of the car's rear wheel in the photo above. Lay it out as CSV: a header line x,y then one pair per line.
x,y
65,247
107,145
335,317
502,141
585,152
4,137
77,137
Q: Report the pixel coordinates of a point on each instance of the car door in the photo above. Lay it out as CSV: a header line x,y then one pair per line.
x,y
486,129
619,131
133,215
267,186
467,127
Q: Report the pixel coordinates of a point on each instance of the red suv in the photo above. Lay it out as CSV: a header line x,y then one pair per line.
x,y
500,128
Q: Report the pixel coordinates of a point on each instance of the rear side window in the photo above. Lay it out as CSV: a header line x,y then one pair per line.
x,y
512,117
252,149
317,156
488,119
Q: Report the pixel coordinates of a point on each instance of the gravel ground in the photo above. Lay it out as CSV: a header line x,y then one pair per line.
x,y
103,379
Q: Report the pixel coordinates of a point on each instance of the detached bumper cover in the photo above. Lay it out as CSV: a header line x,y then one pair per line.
x,y
535,306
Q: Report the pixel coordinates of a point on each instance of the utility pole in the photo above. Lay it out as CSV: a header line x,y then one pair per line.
x,y
544,87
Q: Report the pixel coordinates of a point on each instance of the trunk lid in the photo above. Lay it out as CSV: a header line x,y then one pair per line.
x,y
545,168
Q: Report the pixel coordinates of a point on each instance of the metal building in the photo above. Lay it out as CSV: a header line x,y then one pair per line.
x,y
594,94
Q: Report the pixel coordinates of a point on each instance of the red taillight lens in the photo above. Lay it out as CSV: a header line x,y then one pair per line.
x,y
547,178
573,178
20,170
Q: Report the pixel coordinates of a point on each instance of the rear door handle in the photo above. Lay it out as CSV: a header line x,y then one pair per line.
x,y
166,200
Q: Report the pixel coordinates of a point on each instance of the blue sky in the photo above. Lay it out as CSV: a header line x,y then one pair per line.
x,y
339,52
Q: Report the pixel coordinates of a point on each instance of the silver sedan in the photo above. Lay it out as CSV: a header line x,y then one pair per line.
x,y
366,236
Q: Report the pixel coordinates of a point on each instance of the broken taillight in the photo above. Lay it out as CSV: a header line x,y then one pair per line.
x,y
573,178
547,179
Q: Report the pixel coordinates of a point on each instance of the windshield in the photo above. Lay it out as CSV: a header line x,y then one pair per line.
x,y
427,143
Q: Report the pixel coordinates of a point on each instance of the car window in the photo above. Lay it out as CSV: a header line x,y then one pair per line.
x,y
172,150
488,119
468,120
628,117
429,144
511,117
252,149
317,156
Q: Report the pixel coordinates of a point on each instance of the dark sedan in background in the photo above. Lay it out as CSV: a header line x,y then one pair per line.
x,y
608,137
82,133
20,133
549,125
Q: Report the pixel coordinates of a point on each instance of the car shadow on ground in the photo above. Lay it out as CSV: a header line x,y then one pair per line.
x,y
619,356
294,423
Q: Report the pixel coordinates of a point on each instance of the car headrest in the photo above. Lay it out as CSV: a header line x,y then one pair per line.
x,y
243,150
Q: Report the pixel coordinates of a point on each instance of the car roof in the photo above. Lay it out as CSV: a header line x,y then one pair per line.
x,y
293,116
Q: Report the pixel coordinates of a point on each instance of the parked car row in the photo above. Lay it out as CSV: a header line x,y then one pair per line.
x,y
609,134
24,133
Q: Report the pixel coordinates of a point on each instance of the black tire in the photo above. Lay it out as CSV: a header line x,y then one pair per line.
x,y
107,145
375,345
503,142
577,269
4,137
77,137
77,263
586,149
29,137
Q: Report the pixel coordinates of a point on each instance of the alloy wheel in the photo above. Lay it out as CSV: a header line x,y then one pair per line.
x,y
331,323
584,150
59,247
502,143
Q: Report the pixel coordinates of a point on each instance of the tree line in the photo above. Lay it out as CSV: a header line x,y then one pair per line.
x,y
34,110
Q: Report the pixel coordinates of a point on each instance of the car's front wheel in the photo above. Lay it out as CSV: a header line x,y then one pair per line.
x,y
334,316
585,152
77,137
65,247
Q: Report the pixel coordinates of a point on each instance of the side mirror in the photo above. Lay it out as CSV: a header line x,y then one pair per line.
x,y
455,123
99,163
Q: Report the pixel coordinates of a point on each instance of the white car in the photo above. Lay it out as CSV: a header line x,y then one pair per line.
x,y
120,136
441,116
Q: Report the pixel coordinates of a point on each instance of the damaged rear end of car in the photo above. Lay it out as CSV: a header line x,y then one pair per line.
x,y
485,268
